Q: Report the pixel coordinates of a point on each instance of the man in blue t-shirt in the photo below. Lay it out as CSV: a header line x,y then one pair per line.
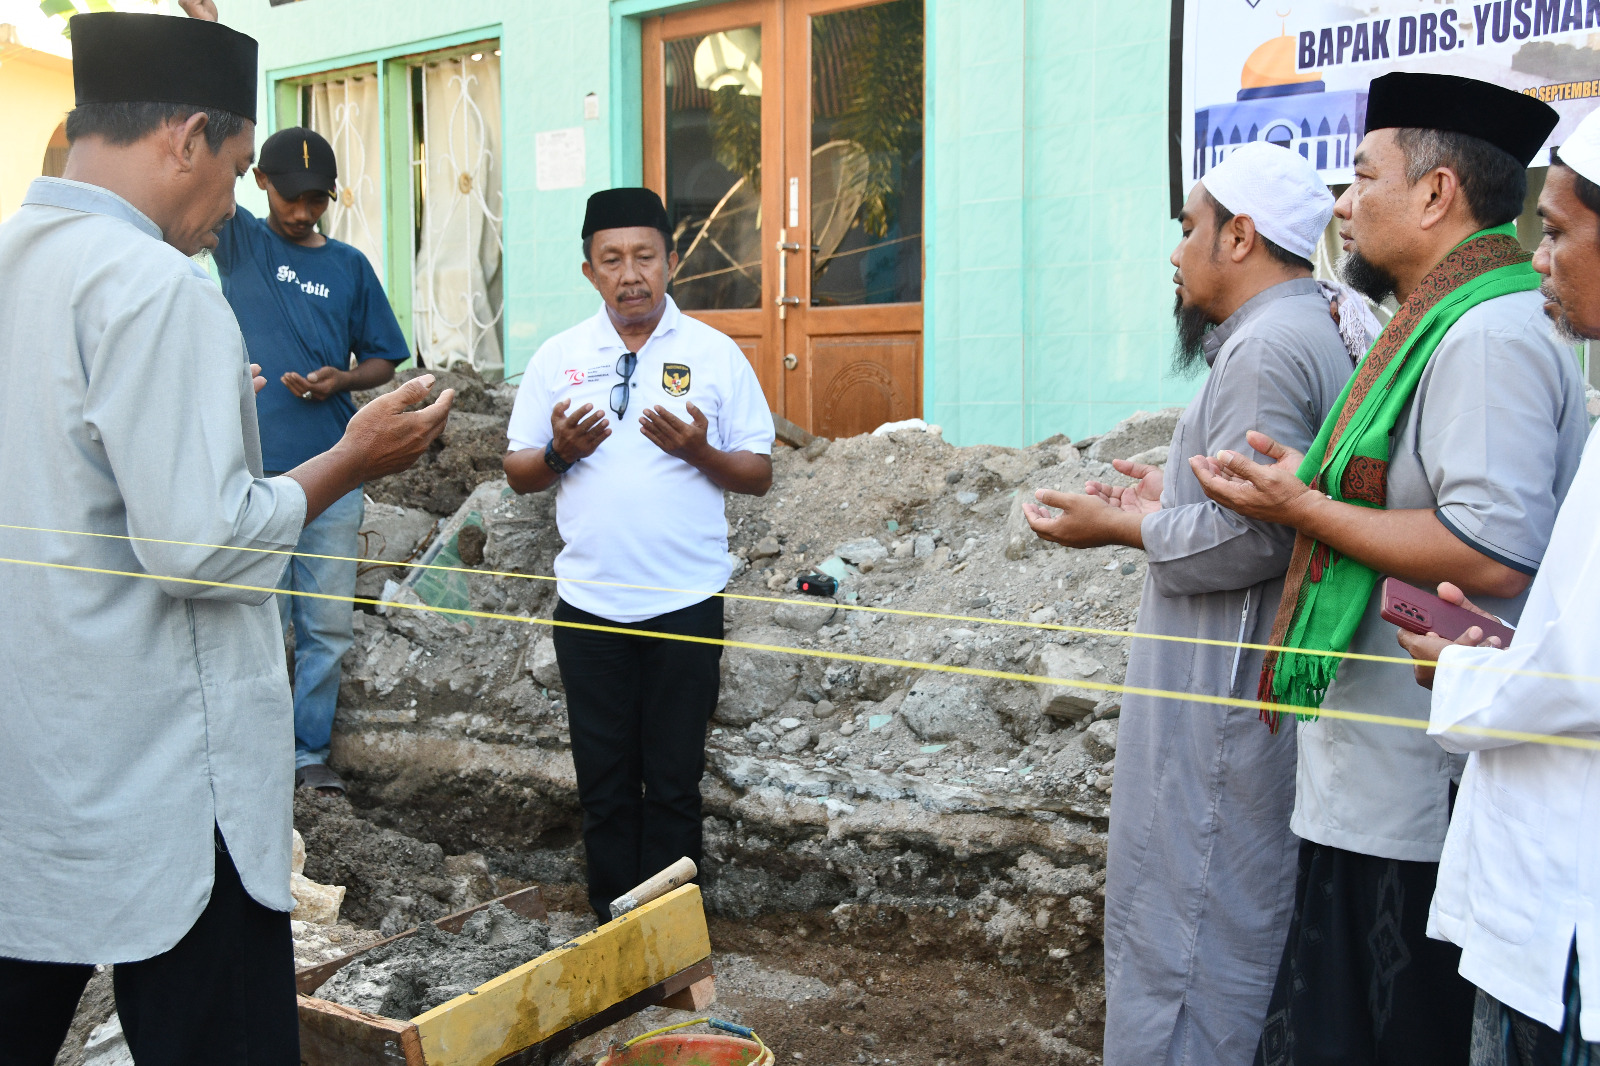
x,y
309,307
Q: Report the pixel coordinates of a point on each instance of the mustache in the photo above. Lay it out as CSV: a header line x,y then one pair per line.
x,y
1561,323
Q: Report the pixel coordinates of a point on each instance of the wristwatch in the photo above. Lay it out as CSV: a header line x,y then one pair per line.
x,y
553,460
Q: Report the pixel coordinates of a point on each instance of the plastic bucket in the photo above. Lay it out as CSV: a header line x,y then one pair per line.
x,y
690,1049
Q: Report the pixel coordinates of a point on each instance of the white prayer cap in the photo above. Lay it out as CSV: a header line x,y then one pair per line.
x,y
1581,151
1279,189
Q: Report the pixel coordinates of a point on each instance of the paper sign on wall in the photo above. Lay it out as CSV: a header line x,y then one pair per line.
x,y
560,162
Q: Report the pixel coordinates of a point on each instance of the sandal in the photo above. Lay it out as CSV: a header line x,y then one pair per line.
x,y
318,776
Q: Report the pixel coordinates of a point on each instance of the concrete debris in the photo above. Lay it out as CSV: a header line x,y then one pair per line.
x,y
390,533
1145,430
1069,664
314,904
107,1046
417,973
829,782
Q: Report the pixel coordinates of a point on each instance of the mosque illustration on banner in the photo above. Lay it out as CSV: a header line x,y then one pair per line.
x,y
1288,107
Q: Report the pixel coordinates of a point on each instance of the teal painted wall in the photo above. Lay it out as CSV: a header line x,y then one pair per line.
x,y
1048,296
554,52
1050,302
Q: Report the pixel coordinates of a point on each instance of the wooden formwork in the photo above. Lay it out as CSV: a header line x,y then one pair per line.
x,y
659,954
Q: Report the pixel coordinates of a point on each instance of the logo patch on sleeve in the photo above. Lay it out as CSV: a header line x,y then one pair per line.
x,y
675,379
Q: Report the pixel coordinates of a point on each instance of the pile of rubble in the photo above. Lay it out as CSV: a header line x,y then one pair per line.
x,y
831,783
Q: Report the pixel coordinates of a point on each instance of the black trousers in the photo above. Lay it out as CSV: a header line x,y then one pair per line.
x,y
637,708
223,994
1360,983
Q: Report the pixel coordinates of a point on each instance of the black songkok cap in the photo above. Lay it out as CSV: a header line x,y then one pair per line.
x,y
298,159
1509,120
621,208
120,57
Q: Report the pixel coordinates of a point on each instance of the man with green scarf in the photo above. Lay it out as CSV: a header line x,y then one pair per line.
x,y
1446,457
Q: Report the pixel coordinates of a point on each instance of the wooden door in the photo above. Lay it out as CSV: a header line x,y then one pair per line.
x,y
853,148
713,131
786,138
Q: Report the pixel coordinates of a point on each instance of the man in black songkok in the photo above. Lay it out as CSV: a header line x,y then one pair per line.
x,y
1446,460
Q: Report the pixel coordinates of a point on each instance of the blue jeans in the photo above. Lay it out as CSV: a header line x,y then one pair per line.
x,y
322,628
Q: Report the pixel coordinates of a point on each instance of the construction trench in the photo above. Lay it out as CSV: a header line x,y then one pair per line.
x,y
901,866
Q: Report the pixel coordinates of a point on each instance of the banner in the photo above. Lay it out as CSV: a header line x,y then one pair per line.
x,y
1298,75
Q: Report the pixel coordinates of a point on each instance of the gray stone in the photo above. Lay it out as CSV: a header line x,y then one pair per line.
x,y
787,724
966,499
795,741
1011,466
1100,740
938,710
1156,456
859,551
766,548
1019,536
952,476
391,534
542,660
755,683
1069,663
804,617
822,709
1143,431
922,546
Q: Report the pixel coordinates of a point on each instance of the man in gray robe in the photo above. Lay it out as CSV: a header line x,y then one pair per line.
x,y
146,731
1201,868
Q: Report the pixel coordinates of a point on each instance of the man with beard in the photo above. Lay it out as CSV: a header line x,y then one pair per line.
x,y
1517,877
1200,874
639,504
145,716
1446,458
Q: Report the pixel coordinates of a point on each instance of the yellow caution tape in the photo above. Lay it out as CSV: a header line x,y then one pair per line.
x,y
1402,660
1582,743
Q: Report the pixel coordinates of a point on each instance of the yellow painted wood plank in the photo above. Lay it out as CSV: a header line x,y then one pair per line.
x,y
565,986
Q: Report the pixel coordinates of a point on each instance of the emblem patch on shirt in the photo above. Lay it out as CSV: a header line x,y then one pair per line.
x,y
575,377
675,379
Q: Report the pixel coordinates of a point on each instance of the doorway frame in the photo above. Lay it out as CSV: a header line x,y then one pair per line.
x,y
627,148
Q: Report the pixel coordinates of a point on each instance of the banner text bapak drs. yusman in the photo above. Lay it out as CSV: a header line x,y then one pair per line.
x,y
1297,73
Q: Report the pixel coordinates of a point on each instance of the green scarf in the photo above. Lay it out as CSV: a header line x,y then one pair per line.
x,y
1325,594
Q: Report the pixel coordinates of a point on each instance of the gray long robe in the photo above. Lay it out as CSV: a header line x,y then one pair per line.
x,y
1201,869
135,714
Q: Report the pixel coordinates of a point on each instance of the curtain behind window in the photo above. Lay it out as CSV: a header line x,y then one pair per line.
x,y
457,296
346,113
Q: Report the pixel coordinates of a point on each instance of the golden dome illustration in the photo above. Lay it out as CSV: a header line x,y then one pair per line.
x,y
1274,64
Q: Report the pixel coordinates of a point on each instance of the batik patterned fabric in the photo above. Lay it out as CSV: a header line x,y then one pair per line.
x,y
1361,984
1504,1037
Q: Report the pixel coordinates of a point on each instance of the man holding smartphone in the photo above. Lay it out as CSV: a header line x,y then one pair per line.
x,y
1446,458
1517,885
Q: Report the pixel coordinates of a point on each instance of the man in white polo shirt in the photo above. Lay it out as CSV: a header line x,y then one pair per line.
x,y
642,417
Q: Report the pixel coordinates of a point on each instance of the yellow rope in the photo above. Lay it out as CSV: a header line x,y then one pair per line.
x,y
809,602
817,653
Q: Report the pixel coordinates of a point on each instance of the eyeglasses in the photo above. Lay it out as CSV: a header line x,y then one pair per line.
x,y
619,393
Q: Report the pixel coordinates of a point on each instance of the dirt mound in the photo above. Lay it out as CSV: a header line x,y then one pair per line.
x,y
392,881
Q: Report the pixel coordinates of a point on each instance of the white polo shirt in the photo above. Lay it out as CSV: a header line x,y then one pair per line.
x,y
631,514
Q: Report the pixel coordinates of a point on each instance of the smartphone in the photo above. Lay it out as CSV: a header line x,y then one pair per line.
x,y
1422,612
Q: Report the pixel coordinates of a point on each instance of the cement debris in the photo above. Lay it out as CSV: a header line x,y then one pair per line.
x,y
936,817
406,977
